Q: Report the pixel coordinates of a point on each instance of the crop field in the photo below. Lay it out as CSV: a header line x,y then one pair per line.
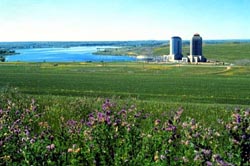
x,y
124,114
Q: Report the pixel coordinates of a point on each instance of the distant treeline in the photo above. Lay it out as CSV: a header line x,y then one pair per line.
x,y
66,44
25,45
6,52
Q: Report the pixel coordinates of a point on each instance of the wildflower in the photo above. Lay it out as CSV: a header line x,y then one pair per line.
x,y
184,124
108,112
70,150
43,124
71,123
229,126
247,113
197,157
235,128
50,147
122,112
193,122
77,150
32,141
208,163
101,117
221,162
6,158
170,128
185,159
156,156
237,109
149,136
237,118
206,152
89,124
108,120
62,118
196,135
118,121
163,157
137,115
235,142
1,143
124,123
157,122
51,137
106,105
27,133
74,149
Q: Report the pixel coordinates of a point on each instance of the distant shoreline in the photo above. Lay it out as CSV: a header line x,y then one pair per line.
x,y
68,44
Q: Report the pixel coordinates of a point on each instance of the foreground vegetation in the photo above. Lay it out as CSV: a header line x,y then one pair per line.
x,y
157,114
114,134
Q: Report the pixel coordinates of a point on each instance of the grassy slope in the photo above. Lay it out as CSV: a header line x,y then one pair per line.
x,y
228,52
188,84
72,90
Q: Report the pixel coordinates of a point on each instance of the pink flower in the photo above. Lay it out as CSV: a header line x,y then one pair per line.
x,y
50,147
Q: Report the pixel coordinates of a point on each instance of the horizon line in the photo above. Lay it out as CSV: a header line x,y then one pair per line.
x,y
116,40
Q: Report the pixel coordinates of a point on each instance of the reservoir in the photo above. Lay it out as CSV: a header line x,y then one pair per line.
x,y
72,54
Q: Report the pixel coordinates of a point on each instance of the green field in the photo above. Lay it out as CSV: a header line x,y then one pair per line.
x,y
154,87
158,114
156,82
236,53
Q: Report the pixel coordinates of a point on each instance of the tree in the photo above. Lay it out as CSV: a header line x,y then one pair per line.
x,y
2,59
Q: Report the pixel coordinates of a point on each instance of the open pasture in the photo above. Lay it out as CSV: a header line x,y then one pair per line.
x,y
156,82
158,114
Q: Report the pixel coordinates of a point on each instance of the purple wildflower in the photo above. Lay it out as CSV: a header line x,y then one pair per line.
x,y
50,147
157,122
208,163
108,120
108,112
89,124
101,117
27,132
237,118
32,141
106,105
1,143
122,112
137,115
118,121
170,128
206,152
71,123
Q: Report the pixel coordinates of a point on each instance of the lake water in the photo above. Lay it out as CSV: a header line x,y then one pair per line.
x,y
72,54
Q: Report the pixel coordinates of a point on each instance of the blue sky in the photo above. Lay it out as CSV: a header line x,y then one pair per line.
x,y
90,20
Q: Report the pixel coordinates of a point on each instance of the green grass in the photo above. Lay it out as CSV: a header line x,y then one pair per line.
x,y
237,53
168,83
70,91
204,91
